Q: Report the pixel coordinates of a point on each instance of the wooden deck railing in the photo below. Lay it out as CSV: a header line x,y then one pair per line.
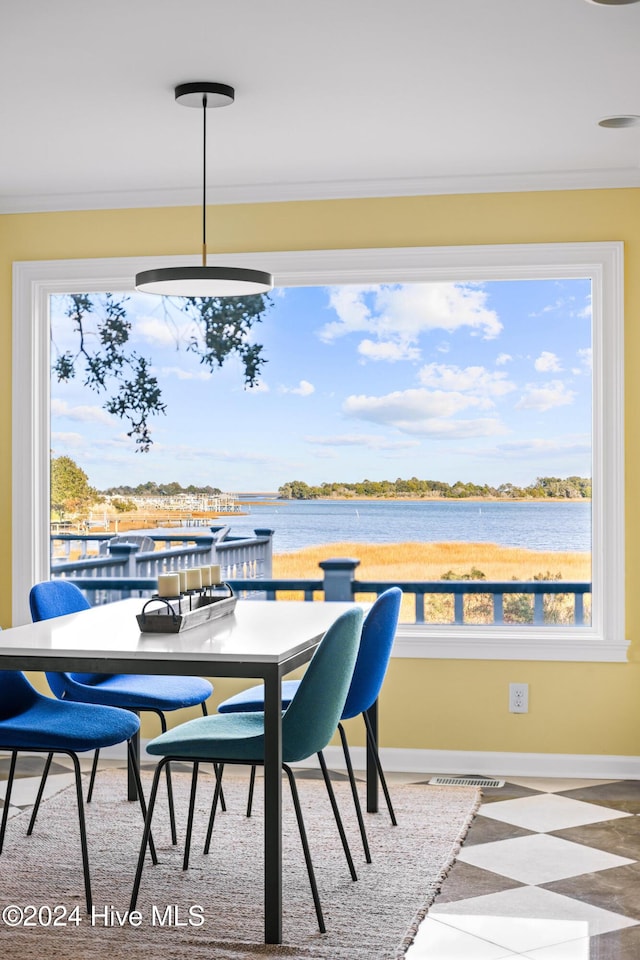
x,y
338,583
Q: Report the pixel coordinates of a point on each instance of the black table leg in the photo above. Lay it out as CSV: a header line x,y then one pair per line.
x,y
372,771
273,808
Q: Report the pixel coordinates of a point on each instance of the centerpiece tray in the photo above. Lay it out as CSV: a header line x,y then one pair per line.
x,y
182,613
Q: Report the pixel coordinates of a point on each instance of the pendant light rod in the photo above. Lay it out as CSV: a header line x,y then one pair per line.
x,y
204,281
204,179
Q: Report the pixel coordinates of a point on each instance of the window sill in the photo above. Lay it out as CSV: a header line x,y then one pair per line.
x,y
505,643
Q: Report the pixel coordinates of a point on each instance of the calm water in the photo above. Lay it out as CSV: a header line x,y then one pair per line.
x,y
536,526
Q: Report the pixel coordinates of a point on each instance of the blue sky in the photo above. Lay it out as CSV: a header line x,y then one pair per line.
x,y
447,381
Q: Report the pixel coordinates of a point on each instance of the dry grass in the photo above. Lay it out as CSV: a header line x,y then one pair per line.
x,y
429,561
432,561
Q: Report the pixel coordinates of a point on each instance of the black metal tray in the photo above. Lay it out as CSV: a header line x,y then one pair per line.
x,y
178,614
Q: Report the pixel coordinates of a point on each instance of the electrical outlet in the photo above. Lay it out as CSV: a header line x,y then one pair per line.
x,y
518,697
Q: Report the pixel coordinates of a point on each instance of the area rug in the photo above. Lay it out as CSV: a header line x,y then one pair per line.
x,y
214,911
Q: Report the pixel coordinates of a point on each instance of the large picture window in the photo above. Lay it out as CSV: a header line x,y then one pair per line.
x,y
467,367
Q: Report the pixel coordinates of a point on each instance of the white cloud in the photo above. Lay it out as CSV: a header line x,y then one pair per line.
x,y
67,439
369,440
457,429
476,382
83,413
162,332
546,396
422,412
540,447
503,358
260,387
560,304
548,362
387,350
406,405
586,357
430,410
568,306
587,311
304,389
182,374
400,313
562,455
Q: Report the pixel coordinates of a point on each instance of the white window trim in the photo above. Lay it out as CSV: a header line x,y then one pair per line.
x,y
604,640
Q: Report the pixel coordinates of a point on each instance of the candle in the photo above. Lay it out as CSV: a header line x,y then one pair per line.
x,y
194,579
168,585
206,576
215,573
183,580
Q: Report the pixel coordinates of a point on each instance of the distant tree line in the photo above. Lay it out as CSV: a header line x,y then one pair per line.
x,y
567,488
73,496
153,489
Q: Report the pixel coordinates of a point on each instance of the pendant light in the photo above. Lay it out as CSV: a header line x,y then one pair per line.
x,y
204,281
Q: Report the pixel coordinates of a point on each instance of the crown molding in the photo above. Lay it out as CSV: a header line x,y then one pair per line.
x,y
326,190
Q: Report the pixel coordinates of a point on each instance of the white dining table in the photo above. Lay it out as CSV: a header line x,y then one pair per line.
x,y
262,640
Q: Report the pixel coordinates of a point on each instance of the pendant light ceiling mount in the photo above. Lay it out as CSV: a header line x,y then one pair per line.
x,y
204,281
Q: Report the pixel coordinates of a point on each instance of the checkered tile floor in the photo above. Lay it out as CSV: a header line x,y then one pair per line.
x,y
550,870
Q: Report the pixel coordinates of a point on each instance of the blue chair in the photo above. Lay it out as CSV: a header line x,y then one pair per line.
x,y
32,722
307,727
378,633
155,694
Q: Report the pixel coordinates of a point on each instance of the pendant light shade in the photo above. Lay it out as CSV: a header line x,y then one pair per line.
x,y
204,281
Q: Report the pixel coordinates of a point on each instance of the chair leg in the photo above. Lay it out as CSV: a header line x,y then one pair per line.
x,y
336,813
252,783
92,778
7,797
354,793
83,831
223,803
192,804
36,806
143,806
146,833
172,812
305,847
383,782
219,770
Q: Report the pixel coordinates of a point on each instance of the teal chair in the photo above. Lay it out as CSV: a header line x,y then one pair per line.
x,y
376,643
309,723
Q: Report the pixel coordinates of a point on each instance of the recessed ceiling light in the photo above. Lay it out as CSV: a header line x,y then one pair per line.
x,y
611,3
616,123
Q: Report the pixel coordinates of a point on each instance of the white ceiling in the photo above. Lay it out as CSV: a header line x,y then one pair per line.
x,y
334,98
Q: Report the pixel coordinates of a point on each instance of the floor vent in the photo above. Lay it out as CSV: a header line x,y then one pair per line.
x,y
466,782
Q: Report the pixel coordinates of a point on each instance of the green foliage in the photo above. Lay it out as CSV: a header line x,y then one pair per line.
x,y
152,489
518,608
71,492
474,574
225,323
110,366
122,506
298,490
571,488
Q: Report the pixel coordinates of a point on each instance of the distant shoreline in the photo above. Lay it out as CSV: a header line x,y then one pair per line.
x,y
363,499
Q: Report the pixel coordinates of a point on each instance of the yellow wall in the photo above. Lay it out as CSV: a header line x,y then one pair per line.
x,y
445,705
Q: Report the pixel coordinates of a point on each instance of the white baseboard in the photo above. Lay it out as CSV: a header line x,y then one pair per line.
x,y
496,764
487,763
